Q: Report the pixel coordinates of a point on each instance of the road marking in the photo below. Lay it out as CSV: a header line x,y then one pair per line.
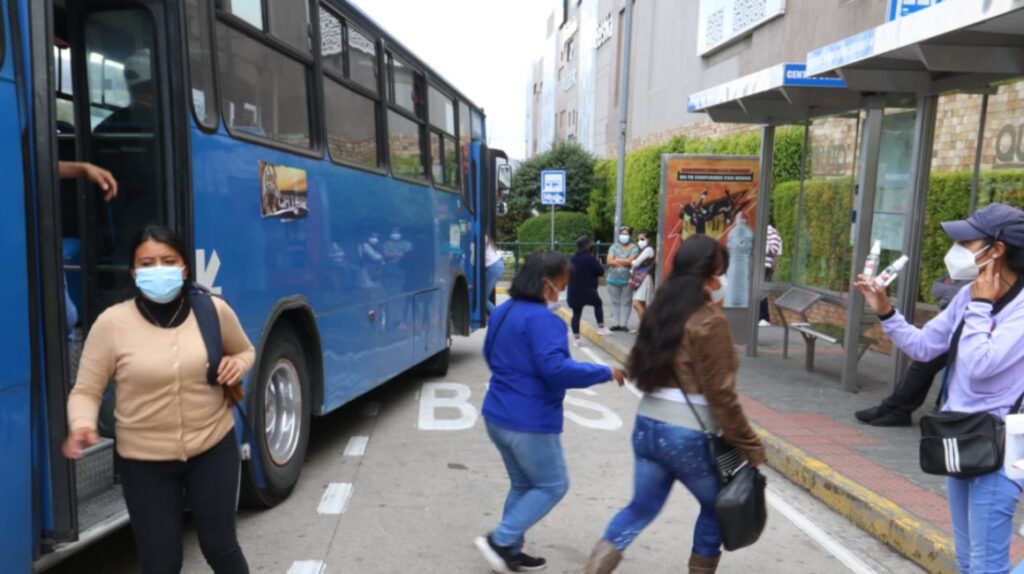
x,y
307,567
335,498
629,385
608,420
371,409
849,559
430,402
356,446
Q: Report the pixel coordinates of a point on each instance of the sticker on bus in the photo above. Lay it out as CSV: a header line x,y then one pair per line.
x,y
282,191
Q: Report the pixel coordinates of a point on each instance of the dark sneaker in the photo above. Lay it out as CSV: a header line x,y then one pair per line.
x,y
499,557
868,415
529,563
892,419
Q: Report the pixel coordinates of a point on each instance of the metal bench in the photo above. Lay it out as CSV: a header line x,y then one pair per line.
x,y
798,301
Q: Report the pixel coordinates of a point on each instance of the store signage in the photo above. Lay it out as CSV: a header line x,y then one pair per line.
x,y
604,31
901,8
1010,146
722,21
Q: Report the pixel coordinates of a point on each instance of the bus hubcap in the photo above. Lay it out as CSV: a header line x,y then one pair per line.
x,y
282,412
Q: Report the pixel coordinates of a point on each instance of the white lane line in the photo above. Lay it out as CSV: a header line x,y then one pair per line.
x,y
593,356
356,446
307,567
849,559
371,409
335,498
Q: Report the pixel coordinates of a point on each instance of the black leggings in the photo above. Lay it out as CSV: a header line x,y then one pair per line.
x,y
154,493
577,314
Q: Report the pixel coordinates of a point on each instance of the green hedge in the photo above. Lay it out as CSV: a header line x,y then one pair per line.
x,y
569,225
601,209
826,208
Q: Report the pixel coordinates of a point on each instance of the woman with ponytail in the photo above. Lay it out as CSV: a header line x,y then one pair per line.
x,y
684,345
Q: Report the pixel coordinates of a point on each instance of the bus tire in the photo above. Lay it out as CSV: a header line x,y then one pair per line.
x,y
437,366
280,407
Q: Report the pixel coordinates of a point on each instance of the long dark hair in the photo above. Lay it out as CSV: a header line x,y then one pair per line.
x,y
160,234
528,284
652,362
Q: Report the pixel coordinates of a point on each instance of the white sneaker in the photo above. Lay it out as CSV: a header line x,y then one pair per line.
x,y
576,342
603,331
763,323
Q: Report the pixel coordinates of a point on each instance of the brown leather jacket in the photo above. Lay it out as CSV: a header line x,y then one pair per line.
x,y
707,364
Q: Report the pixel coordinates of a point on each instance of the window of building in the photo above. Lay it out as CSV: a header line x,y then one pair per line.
x,y
405,145
442,110
263,92
200,61
351,125
570,49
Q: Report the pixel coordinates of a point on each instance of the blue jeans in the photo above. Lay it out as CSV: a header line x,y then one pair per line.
x,y
536,469
491,276
982,508
666,453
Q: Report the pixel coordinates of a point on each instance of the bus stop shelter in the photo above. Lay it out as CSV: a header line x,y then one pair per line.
x,y
955,46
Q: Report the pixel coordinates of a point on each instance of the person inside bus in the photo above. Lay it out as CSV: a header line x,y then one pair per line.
x,y
175,431
527,351
139,115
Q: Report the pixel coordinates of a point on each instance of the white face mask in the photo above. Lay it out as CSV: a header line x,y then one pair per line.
x,y
962,264
553,304
642,243
718,294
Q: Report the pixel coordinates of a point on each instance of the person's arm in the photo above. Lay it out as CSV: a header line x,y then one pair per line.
x,y
987,346
550,349
238,351
97,364
644,257
713,355
101,177
598,268
631,256
611,260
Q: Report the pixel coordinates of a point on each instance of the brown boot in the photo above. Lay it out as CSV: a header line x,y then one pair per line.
x,y
702,564
603,559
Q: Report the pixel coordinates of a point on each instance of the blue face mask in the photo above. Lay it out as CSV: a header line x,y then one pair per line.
x,y
623,239
159,284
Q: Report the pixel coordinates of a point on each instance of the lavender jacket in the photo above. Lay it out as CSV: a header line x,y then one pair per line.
x,y
988,374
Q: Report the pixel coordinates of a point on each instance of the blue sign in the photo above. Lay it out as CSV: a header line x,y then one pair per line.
x,y
796,75
552,187
901,8
856,47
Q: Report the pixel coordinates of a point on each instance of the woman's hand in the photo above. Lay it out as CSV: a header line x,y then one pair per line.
x,y
230,371
77,441
986,286
102,178
874,295
618,375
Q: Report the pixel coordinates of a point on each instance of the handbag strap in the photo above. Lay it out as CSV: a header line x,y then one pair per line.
x,y
490,348
693,410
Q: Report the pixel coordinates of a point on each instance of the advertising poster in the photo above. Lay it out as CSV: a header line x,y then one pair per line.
x,y
714,196
282,191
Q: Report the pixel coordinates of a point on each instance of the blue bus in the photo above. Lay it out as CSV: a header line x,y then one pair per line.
x,y
330,185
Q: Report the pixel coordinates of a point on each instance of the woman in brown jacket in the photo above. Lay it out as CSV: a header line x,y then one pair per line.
x,y
684,345
175,431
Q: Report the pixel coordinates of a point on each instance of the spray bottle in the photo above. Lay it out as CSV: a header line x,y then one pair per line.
x,y
871,265
889,274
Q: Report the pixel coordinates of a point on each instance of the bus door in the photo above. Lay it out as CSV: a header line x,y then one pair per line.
x,y
113,98
493,178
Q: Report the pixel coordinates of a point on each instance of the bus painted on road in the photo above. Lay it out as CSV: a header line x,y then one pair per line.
x,y
332,187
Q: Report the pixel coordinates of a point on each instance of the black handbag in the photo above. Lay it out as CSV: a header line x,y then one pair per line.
x,y
741,510
958,444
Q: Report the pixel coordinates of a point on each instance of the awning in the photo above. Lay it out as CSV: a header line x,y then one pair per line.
x,y
777,95
954,45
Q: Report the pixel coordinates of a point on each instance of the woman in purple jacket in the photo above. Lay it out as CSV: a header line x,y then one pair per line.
x,y
982,330
528,353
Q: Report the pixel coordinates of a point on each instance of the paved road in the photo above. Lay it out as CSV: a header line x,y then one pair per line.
x,y
429,481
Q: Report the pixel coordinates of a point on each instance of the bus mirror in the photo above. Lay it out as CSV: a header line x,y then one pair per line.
x,y
501,210
504,176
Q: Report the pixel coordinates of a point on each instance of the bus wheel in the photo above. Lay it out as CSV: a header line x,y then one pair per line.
x,y
437,366
280,406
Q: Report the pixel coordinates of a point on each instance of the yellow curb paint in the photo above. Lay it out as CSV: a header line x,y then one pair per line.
x,y
926,545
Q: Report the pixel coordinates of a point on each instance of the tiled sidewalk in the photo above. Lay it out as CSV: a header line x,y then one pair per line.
x,y
868,474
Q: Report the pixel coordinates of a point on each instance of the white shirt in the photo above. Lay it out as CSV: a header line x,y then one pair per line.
x,y
490,255
645,255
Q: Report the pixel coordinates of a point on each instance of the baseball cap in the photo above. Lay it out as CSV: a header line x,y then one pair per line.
x,y
997,220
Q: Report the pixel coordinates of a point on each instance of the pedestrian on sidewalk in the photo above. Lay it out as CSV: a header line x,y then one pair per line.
x,y
981,330
643,270
586,269
528,353
175,430
911,392
494,269
619,260
772,250
684,345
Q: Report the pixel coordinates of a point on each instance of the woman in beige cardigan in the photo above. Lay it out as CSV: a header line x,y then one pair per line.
x,y
174,429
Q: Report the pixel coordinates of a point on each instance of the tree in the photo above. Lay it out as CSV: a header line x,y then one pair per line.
x,y
524,196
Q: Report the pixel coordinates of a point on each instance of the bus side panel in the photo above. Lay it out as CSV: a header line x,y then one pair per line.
x,y
16,528
365,311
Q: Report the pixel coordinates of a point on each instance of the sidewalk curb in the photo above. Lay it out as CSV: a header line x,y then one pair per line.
x,y
924,544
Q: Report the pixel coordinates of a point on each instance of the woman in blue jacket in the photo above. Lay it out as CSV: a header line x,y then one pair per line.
x,y
528,352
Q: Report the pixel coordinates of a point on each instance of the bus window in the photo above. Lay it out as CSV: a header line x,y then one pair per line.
x,y
406,132
351,125
263,92
405,144
250,11
362,54
442,111
406,86
478,126
65,89
332,43
200,60
289,24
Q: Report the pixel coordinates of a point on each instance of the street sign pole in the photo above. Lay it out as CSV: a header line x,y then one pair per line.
x,y
552,227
